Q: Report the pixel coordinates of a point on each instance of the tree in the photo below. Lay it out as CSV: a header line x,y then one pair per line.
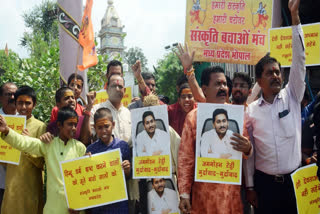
x,y
44,30
168,70
134,54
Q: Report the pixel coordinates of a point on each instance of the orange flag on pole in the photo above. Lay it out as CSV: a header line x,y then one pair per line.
x,y
86,39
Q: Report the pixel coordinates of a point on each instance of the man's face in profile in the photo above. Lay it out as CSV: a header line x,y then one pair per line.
x,y
149,124
158,185
221,124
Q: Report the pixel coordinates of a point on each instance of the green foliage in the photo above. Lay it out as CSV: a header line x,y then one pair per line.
x,y
41,70
134,54
41,74
168,70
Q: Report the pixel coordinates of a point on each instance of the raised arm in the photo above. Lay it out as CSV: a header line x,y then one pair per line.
x,y
297,71
136,68
86,127
186,60
23,143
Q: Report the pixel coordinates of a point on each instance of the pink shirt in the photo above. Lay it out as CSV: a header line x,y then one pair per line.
x,y
277,139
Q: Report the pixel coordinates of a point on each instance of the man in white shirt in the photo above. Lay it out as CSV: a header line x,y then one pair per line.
x,y
216,142
162,200
7,91
274,126
152,141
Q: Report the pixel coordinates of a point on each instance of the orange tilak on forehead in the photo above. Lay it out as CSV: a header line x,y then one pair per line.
x,y
24,98
77,81
186,91
68,93
101,122
72,120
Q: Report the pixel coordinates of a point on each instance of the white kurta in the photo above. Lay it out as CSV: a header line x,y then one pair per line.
x,y
213,147
157,204
160,141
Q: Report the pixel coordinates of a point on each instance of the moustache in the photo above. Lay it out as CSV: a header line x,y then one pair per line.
x,y
222,93
238,91
11,101
222,127
275,82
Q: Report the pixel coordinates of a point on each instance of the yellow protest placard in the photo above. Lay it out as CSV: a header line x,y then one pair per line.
x,y
281,44
94,181
102,96
157,166
7,153
231,31
307,189
218,170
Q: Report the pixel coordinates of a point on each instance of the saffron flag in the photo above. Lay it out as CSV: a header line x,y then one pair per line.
x,y
86,39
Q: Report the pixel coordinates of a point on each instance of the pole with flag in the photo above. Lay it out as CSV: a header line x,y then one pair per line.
x,y
86,39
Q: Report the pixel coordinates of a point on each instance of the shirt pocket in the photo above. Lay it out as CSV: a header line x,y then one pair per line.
x,y
286,127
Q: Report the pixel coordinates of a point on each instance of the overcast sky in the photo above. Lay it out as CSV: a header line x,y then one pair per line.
x,y
149,24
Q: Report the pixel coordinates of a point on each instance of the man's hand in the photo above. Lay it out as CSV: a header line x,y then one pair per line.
x,y
88,154
71,211
157,152
135,99
252,198
293,6
242,143
91,97
25,132
46,137
126,167
209,150
185,205
3,125
165,211
225,156
136,68
185,58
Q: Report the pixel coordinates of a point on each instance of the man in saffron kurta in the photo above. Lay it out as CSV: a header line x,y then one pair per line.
x,y
207,198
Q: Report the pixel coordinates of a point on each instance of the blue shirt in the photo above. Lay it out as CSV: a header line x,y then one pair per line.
x,y
97,147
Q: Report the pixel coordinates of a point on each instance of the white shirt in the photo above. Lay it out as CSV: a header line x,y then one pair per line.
x,y
169,200
212,146
122,118
277,141
146,146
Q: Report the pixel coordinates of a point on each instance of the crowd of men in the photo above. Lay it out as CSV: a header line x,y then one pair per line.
x,y
270,144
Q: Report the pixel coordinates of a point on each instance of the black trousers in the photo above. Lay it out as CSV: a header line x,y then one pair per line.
x,y
1,197
275,195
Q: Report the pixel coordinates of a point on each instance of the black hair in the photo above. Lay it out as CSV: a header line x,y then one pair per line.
x,y
181,80
75,76
146,114
4,85
108,82
206,74
183,86
152,179
26,90
229,85
217,112
103,112
243,76
164,99
147,76
60,93
66,113
114,63
267,59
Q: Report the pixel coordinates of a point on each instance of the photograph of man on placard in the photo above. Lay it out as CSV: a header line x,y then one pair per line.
x,y
216,134
162,198
151,136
